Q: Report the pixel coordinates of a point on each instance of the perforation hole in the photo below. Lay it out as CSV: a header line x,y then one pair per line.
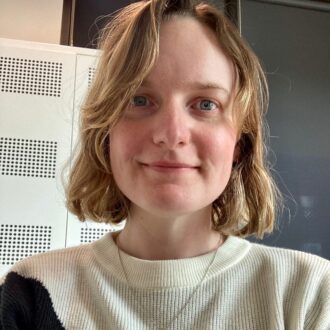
x,y
91,74
30,158
21,241
88,235
27,76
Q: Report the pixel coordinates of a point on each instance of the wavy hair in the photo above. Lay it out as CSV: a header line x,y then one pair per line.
x,y
130,46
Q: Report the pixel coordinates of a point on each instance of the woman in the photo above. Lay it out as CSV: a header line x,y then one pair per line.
x,y
172,141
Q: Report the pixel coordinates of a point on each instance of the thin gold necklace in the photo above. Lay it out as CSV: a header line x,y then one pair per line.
x,y
189,298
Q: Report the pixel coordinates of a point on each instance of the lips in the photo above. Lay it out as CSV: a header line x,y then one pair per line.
x,y
169,166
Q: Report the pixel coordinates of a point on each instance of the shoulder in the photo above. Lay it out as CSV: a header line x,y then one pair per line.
x,y
300,280
52,263
258,258
34,288
28,290
44,287
285,268
287,259
26,304
297,274
291,267
53,270
67,265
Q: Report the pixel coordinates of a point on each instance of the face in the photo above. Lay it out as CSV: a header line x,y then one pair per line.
x,y
172,151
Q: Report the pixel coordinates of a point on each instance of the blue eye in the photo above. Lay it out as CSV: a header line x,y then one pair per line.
x,y
140,101
207,105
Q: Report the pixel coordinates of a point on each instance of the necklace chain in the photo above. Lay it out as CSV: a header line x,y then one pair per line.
x,y
187,301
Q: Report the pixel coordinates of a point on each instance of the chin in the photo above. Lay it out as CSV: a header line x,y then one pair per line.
x,y
172,207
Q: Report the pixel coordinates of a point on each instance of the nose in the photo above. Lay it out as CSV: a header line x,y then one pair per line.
x,y
172,128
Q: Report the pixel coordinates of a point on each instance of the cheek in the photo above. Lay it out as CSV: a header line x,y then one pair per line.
x,y
219,145
117,151
125,142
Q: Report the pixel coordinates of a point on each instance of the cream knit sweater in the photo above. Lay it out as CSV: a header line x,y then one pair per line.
x,y
249,286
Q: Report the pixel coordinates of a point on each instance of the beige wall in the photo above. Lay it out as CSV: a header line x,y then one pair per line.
x,y
32,20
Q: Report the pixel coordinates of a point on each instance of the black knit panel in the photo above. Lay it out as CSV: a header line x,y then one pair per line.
x,y
25,304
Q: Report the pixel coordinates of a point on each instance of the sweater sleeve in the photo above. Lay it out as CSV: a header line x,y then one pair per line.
x,y
318,317
25,304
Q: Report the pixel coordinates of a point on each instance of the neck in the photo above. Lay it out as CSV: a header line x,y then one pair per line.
x,y
152,237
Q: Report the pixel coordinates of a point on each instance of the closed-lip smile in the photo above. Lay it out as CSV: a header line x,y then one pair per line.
x,y
169,166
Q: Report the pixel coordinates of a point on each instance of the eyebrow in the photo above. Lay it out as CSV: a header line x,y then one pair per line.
x,y
207,85
194,85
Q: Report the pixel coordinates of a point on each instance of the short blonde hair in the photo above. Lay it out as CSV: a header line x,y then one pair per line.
x,y
130,46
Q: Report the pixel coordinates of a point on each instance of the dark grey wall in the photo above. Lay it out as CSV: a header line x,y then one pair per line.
x,y
294,45
91,15
89,18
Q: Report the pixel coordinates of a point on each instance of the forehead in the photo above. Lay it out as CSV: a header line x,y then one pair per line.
x,y
190,52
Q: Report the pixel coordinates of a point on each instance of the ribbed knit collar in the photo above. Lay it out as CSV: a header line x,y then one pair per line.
x,y
168,273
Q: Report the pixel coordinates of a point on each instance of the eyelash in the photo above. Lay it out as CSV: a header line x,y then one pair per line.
x,y
215,104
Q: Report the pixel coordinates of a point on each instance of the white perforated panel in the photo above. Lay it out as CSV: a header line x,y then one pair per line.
x,y
20,241
88,235
91,74
41,90
30,76
32,158
36,97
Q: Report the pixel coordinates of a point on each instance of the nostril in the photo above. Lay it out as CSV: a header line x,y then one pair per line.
x,y
172,128
171,139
